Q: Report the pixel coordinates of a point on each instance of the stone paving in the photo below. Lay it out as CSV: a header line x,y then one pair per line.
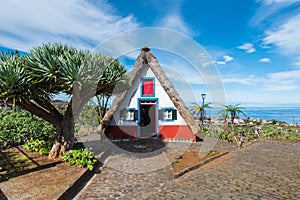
x,y
264,170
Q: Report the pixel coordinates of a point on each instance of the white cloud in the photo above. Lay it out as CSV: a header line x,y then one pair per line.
x,y
285,75
268,2
254,97
78,23
282,81
284,27
286,36
250,80
173,19
264,60
176,22
269,11
297,64
248,47
278,81
220,62
226,60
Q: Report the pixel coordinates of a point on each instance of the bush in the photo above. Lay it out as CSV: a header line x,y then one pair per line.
x,y
279,133
87,118
227,136
16,127
82,156
43,147
210,132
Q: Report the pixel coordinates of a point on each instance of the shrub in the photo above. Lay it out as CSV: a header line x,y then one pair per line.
x,y
279,133
17,127
83,157
210,132
43,147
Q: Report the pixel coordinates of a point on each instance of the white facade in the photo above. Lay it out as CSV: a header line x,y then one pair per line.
x,y
134,96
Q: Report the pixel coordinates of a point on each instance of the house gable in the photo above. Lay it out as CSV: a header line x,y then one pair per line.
x,y
135,94
171,118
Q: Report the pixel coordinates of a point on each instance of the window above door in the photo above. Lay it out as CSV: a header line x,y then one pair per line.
x,y
147,87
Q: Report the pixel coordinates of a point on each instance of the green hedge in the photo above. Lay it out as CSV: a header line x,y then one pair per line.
x,y
16,127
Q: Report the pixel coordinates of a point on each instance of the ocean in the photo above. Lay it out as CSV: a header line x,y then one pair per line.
x,y
290,115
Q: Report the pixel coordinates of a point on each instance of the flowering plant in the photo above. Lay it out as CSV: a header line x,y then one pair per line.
x,y
83,157
43,147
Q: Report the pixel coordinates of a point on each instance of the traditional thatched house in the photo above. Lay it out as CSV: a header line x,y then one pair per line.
x,y
150,107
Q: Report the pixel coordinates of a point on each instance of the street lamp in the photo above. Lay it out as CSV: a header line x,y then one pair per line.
x,y
202,111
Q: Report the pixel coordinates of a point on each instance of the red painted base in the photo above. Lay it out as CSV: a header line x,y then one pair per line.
x,y
171,131
118,132
176,131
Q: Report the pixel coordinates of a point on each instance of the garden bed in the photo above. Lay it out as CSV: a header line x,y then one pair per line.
x,y
30,174
191,160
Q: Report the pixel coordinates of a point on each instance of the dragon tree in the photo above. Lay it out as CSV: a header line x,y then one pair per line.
x,y
30,81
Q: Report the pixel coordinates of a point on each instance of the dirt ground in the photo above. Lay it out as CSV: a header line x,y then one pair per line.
x,y
190,158
28,175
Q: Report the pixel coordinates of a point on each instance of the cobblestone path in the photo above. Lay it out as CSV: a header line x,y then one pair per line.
x,y
264,170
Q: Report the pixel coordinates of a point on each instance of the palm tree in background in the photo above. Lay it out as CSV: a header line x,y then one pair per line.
x,y
199,110
233,110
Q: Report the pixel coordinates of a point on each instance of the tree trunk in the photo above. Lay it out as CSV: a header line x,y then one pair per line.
x,y
225,125
64,138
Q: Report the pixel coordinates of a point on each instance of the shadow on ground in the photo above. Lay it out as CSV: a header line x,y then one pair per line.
x,y
140,148
80,183
15,162
2,195
145,145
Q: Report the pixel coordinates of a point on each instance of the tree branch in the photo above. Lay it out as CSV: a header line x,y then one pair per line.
x,y
38,111
81,97
46,104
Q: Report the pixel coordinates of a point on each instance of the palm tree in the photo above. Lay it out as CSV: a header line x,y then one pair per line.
x,y
233,110
224,115
30,81
199,110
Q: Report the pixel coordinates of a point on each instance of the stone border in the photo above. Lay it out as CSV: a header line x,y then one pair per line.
x,y
196,166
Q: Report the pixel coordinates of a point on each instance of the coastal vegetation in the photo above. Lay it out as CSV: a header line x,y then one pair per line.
x,y
234,126
280,132
245,129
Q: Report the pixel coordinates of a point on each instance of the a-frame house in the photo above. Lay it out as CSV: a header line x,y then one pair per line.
x,y
151,107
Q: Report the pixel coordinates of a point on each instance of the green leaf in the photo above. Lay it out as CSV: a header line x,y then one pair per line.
x,y
90,167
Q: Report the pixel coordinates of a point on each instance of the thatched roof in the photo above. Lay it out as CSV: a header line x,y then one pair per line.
x,y
145,59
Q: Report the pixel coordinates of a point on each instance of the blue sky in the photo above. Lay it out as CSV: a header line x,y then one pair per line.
x,y
255,44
